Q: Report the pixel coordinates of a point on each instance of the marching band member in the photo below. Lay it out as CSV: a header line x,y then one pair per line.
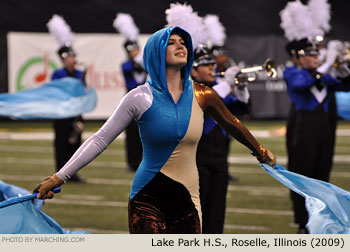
x,y
213,147
310,139
134,75
68,131
217,37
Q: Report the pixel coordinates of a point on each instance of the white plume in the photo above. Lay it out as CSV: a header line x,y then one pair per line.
x,y
124,23
60,30
182,15
215,29
297,22
320,12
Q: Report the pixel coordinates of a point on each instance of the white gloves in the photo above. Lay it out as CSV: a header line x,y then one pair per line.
x,y
139,58
225,86
242,94
334,48
230,74
223,89
228,86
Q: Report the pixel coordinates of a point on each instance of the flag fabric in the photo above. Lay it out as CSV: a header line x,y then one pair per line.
x,y
61,98
11,191
26,217
328,205
343,104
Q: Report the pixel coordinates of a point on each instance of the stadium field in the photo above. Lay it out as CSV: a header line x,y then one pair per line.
x,y
256,203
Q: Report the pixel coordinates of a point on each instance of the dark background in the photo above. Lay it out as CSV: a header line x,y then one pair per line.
x,y
240,17
252,27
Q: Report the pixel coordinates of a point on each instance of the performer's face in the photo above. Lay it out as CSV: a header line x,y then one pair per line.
x,y
176,52
294,59
204,73
133,53
221,61
309,62
69,62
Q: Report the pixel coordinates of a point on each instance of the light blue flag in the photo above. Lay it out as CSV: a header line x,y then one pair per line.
x,y
10,191
328,205
25,217
343,104
61,98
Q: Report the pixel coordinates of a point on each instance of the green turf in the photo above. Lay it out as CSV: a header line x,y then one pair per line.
x,y
254,190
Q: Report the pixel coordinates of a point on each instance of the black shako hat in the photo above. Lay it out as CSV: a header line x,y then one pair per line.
x,y
202,56
66,50
217,50
301,48
131,45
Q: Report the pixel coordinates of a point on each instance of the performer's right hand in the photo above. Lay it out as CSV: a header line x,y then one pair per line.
x,y
45,187
266,156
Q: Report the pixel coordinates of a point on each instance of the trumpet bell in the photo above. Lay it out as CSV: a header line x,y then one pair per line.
x,y
270,68
347,52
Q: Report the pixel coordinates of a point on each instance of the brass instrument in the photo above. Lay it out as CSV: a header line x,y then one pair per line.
x,y
344,56
249,74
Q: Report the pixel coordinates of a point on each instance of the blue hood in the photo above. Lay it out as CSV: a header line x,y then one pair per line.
x,y
155,53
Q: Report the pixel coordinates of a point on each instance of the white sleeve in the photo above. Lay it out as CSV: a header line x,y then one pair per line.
x,y
242,94
223,89
132,106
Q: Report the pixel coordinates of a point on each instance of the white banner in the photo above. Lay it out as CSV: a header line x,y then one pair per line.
x,y
32,58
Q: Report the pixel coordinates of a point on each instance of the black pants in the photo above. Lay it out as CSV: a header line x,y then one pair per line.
x,y
163,206
67,140
133,146
310,146
212,166
213,182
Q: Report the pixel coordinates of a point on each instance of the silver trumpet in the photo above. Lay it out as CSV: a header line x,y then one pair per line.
x,y
249,74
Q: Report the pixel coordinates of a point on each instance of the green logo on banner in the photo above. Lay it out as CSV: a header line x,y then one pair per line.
x,y
38,77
